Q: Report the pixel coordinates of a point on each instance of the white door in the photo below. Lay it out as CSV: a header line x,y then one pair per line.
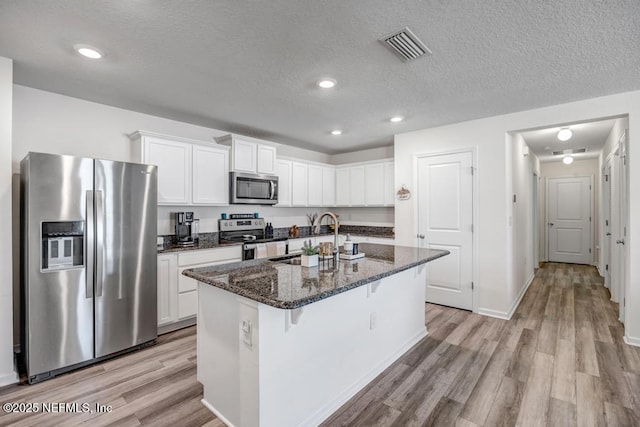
x,y
569,213
445,221
606,224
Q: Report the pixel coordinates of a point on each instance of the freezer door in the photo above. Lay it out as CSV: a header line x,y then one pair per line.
x,y
56,297
126,254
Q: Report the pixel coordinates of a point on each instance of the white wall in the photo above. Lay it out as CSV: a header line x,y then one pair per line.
x,y
586,167
362,155
522,237
7,373
494,285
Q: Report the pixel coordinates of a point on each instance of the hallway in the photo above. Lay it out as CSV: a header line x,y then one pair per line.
x,y
559,361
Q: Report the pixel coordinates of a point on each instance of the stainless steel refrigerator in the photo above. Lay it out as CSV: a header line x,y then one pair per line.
x,y
88,262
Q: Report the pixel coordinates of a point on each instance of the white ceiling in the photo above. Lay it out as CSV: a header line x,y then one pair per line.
x,y
590,135
251,66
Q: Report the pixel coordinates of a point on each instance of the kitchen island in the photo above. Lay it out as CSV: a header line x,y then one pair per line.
x,y
280,344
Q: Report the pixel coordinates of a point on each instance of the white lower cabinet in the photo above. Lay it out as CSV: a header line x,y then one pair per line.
x,y
177,294
167,289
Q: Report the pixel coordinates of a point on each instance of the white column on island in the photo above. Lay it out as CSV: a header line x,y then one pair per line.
x,y
260,368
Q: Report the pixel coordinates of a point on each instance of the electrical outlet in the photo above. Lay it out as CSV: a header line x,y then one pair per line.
x,y
245,332
373,320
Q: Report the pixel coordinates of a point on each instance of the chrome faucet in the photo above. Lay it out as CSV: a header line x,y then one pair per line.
x,y
335,240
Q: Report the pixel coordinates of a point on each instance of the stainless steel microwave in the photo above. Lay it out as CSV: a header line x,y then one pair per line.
x,y
253,189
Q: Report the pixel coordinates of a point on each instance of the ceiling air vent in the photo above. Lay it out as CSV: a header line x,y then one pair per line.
x,y
406,44
570,151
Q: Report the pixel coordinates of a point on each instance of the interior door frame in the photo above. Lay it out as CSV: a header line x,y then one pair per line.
x,y
591,214
474,207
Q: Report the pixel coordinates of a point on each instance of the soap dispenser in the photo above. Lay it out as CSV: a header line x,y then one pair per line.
x,y
348,245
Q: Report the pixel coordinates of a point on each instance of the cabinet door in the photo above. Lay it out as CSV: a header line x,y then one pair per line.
x,y
298,184
244,156
314,185
167,289
356,190
343,185
174,169
328,186
266,159
210,176
283,170
374,184
389,196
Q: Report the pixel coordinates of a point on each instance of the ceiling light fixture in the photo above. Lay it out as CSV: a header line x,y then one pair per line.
x,y
567,160
396,119
336,132
565,134
88,51
327,83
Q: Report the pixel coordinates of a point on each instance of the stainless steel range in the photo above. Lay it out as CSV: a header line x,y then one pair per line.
x,y
251,232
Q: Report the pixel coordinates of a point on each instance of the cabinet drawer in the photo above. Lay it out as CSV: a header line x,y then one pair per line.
x,y
186,284
187,304
210,256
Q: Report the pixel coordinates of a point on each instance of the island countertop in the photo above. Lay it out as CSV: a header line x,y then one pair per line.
x,y
280,283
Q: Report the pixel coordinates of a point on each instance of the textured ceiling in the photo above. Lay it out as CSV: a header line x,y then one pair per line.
x,y
251,66
590,136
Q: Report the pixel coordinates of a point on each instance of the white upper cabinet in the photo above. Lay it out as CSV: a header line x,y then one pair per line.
x,y
173,159
250,155
374,184
244,156
343,186
314,185
299,181
189,171
266,159
283,170
210,176
328,186
356,187
389,196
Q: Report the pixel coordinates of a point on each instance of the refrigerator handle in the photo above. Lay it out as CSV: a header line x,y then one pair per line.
x,y
89,246
99,241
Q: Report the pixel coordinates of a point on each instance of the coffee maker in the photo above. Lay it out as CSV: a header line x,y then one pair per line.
x,y
186,228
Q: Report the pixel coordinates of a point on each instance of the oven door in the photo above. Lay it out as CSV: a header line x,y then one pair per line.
x,y
253,189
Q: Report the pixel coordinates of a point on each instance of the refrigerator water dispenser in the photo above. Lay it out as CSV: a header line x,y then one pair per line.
x,y
62,245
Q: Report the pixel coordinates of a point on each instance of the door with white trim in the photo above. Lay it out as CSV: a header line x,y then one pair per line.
x,y
569,214
445,221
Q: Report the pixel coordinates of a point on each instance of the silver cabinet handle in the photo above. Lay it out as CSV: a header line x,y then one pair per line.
x,y
89,245
608,234
620,242
420,236
99,242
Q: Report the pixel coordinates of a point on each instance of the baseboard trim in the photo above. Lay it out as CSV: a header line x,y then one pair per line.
x,y
9,378
631,341
507,315
221,417
177,325
493,313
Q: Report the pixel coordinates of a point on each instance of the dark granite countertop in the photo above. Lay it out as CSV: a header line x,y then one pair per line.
x,y
279,283
173,247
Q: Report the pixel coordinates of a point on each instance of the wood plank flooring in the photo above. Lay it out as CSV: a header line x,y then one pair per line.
x,y
559,361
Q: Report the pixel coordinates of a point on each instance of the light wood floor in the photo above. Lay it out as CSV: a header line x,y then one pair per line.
x,y
559,361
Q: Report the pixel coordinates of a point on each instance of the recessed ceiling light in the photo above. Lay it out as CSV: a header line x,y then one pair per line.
x,y
327,83
567,160
336,132
88,51
396,119
565,134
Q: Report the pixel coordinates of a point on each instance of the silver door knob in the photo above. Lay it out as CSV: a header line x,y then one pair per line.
x,y
620,242
550,224
420,236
